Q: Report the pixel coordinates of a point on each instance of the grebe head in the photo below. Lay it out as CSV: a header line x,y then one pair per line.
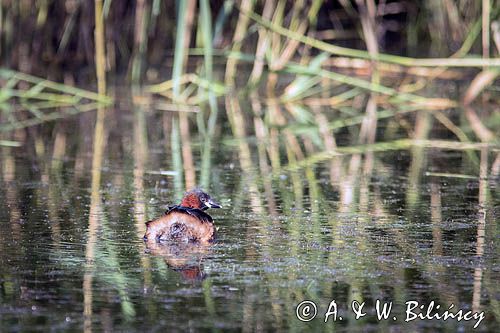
x,y
198,199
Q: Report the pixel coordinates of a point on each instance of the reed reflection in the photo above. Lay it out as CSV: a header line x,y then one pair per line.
x,y
12,200
184,258
95,215
481,229
141,154
422,129
97,162
436,219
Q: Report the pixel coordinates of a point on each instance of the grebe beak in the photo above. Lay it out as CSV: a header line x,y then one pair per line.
x,y
212,204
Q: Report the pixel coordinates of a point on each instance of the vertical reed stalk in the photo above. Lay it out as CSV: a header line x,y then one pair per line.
x,y
101,88
2,28
95,204
185,16
297,25
262,44
206,24
239,34
140,39
368,10
486,28
100,54
233,110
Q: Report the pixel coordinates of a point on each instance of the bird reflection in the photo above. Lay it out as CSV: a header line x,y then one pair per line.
x,y
185,258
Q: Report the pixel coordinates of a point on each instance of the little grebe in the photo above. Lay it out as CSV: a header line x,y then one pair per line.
x,y
186,222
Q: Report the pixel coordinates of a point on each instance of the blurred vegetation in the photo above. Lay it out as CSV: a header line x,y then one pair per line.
x,y
283,50
384,72
301,87
58,36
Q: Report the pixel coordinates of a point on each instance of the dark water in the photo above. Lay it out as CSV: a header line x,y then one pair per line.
x,y
364,227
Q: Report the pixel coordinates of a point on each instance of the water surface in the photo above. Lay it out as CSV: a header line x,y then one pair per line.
x,y
383,225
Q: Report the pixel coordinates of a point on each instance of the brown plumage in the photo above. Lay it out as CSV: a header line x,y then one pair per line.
x,y
186,222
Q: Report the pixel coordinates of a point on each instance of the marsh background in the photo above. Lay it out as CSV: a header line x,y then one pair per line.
x,y
353,145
